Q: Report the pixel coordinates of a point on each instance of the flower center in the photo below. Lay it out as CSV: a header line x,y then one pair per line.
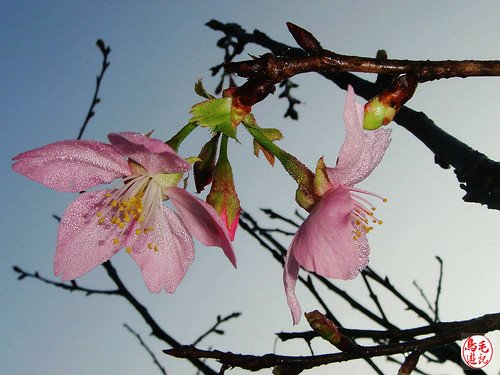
x,y
362,217
132,209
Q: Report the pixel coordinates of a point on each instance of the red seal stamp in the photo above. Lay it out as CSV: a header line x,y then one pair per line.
x,y
477,351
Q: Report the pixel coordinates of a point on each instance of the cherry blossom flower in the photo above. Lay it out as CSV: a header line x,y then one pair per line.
x,y
332,240
101,222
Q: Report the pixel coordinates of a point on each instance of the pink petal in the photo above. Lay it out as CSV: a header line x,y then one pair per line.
x,y
362,150
164,268
83,243
202,221
290,275
363,249
154,155
324,242
72,165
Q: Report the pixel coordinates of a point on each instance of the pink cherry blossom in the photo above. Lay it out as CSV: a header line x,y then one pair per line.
x,y
332,240
101,222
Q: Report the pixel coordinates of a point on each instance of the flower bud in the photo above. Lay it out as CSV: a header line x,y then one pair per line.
x,y
223,195
323,326
382,108
204,169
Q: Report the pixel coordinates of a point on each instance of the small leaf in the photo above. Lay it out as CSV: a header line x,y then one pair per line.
x,y
200,90
273,135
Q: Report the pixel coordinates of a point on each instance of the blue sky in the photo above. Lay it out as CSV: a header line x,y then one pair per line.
x,y
47,70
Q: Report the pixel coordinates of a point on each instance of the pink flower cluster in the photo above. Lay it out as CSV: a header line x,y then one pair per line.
x,y
332,240
101,222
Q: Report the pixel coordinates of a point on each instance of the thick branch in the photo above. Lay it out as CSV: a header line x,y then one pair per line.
x,y
279,68
478,175
483,324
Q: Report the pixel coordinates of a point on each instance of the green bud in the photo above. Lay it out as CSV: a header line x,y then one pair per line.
x,y
377,114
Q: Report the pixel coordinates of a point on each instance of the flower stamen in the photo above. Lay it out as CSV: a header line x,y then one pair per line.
x,y
132,209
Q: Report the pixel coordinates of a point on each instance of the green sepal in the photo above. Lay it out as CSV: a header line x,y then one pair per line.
x,y
321,181
214,114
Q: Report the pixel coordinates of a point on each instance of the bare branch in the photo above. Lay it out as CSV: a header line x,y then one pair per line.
x,y
72,286
438,292
483,324
157,331
105,50
422,293
274,215
215,327
374,297
150,352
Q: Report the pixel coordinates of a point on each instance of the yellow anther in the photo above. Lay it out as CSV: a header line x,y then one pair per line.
x,y
101,220
138,231
357,222
116,241
108,195
128,249
121,224
139,210
380,222
384,200
150,246
98,214
140,219
126,218
113,203
374,208
156,248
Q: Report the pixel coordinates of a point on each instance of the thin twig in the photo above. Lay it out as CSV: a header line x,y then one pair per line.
x,y
422,293
387,284
143,344
374,297
72,286
105,50
438,292
274,215
214,328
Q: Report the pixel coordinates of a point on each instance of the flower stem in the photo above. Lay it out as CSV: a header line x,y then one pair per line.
x,y
299,172
177,139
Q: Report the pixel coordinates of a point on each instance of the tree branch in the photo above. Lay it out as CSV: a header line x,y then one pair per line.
x,y
105,50
157,331
143,344
482,325
478,175
72,286
215,327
